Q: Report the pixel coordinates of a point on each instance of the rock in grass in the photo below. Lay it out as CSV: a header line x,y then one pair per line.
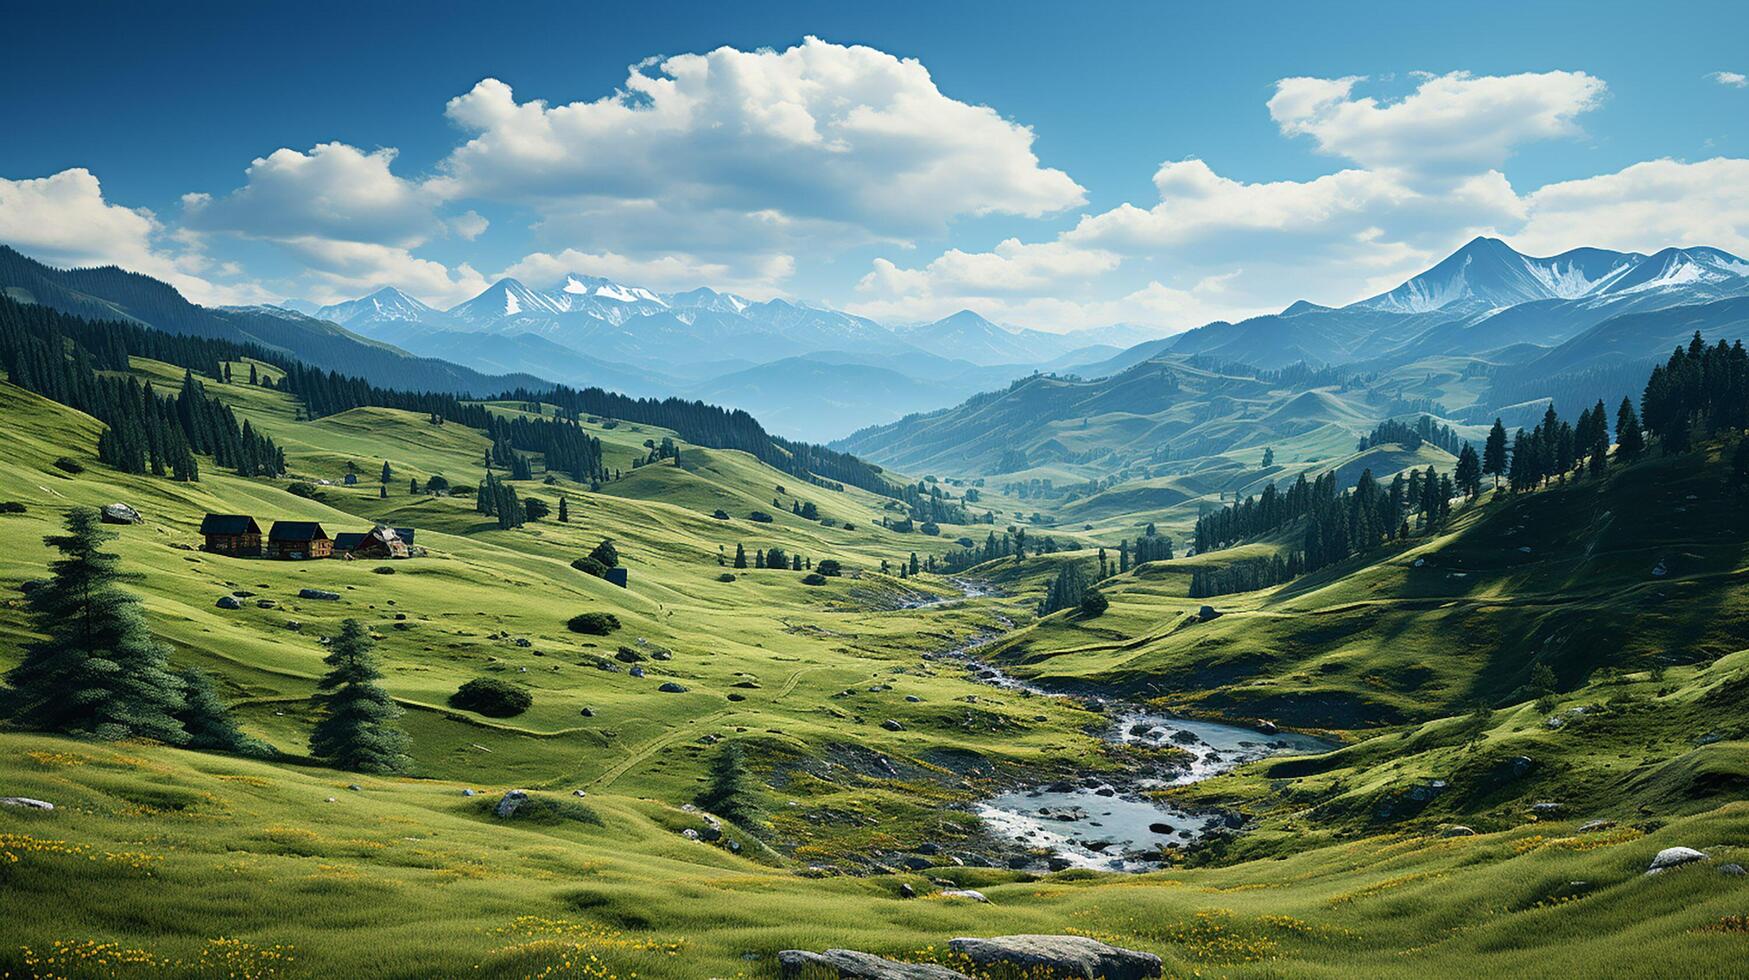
x,y
119,513
509,803
467,792
1732,870
1457,830
670,687
1593,826
892,726
848,964
228,602
318,594
26,802
1065,956
1674,857
966,893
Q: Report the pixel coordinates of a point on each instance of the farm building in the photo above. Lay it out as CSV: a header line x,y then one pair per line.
x,y
378,542
232,534
298,540
346,542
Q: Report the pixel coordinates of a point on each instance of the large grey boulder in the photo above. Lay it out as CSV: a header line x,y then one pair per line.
x,y
793,964
228,602
507,806
322,594
1066,956
119,513
1674,857
26,802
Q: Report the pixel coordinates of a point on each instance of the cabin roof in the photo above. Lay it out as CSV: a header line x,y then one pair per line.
x,y
405,534
348,540
228,524
297,531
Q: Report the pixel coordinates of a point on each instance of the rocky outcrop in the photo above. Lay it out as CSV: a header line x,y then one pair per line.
x,y
793,964
1674,857
119,513
1058,956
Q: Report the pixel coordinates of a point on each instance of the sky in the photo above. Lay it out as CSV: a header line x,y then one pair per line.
x,y
1050,166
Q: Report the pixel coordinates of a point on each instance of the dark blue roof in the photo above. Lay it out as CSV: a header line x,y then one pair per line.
x,y
229,524
296,531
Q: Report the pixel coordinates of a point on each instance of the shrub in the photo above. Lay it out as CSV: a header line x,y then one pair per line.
x,y
829,567
594,623
491,697
721,514
384,570
726,577
11,507
590,566
69,464
606,553
760,516
1094,602
931,528
436,484
813,578
535,508
307,491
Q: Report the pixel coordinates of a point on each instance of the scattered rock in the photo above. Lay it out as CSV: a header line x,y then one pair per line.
x,y
509,803
1069,956
689,834
1457,830
468,792
578,792
1593,826
228,602
587,712
670,687
1267,727
322,594
1674,857
914,699
906,891
1159,828
119,513
636,672
26,802
848,964
892,726
354,787
1545,808
1732,870
965,893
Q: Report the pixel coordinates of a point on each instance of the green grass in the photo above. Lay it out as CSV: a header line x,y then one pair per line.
x,y
165,851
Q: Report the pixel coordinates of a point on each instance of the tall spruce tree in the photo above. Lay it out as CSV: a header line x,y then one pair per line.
x,y
357,730
729,793
1494,453
97,671
209,722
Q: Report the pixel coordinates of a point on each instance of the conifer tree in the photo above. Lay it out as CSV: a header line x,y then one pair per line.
x,y
387,473
1468,475
357,730
1494,453
209,722
1629,440
98,671
564,511
729,794
740,555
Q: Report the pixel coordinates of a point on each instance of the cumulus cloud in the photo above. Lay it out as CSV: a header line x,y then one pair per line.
x,y
820,135
1644,207
1730,79
757,277
337,270
1456,123
63,219
335,191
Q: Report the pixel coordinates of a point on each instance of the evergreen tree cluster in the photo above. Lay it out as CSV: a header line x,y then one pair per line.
x,y
46,352
1248,575
497,498
1065,590
1012,543
1699,390
1410,435
1147,547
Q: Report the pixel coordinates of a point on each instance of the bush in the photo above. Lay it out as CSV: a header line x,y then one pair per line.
x,y
606,553
535,508
760,516
721,514
69,464
829,567
594,623
384,570
491,697
813,578
11,507
931,528
726,577
1093,603
307,491
590,566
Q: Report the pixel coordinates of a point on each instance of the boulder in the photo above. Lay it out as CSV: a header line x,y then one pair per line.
x,y
1058,956
636,672
26,802
892,726
119,513
1673,857
1207,613
1593,826
906,891
468,792
322,594
228,602
670,687
509,803
965,893
1732,870
848,964
1457,830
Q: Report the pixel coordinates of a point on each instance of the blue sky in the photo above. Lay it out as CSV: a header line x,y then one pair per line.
x,y
1054,167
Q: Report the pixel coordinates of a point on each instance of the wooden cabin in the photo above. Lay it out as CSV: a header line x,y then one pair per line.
x,y
346,542
381,542
406,536
232,534
298,540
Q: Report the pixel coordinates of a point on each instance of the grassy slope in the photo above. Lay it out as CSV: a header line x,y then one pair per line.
x,y
408,877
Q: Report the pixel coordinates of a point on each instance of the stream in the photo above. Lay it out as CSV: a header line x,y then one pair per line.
x,y
1097,823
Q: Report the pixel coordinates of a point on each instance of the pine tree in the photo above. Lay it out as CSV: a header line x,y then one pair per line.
x,y
740,555
209,723
1494,453
1630,442
564,511
1469,472
387,473
98,671
357,730
729,794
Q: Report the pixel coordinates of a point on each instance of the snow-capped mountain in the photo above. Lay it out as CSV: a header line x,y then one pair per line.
x,y
507,300
1489,274
386,305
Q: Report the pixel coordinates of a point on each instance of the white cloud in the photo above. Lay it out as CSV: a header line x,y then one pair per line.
x,y
469,225
63,219
1732,79
335,191
338,270
758,278
1456,123
1644,207
819,137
